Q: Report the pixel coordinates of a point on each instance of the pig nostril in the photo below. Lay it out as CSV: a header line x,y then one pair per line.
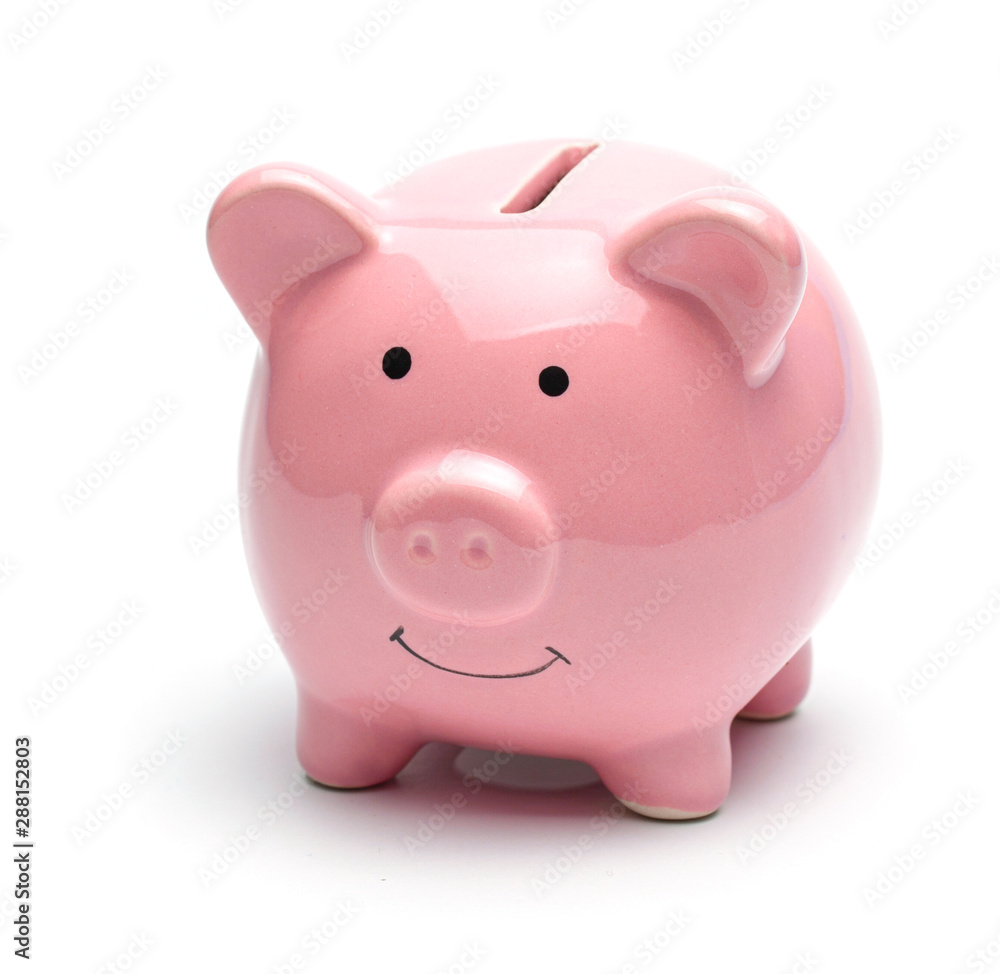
x,y
476,554
421,554
422,549
476,558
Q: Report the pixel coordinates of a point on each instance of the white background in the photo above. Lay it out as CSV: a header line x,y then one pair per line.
x,y
524,876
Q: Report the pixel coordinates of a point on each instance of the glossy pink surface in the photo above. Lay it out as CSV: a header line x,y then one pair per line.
x,y
459,545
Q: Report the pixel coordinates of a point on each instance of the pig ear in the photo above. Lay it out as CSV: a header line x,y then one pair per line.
x,y
735,252
275,225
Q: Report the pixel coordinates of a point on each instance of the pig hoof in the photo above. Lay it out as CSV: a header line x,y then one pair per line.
x,y
750,715
784,691
684,776
662,812
337,749
355,768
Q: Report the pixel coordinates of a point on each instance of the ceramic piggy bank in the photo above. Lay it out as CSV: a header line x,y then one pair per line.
x,y
558,447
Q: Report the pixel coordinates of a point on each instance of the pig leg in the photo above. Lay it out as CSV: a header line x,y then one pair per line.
x,y
335,747
785,690
677,778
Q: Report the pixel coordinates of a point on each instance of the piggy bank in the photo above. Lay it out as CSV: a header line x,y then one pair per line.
x,y
555,447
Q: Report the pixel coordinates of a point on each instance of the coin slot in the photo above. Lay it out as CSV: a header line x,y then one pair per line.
x,y
534,192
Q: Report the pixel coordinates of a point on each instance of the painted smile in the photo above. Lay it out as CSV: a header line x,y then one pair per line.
x,y
397,636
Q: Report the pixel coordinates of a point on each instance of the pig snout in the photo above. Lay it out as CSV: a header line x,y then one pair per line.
x,y
466,538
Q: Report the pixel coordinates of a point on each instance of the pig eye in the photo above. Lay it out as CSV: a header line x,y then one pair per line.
x,y
396,362
553,381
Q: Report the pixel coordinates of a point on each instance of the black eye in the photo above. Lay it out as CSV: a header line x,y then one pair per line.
x,y
396,362
553,381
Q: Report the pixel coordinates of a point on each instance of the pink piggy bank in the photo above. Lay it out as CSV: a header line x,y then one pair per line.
x,y
558,445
